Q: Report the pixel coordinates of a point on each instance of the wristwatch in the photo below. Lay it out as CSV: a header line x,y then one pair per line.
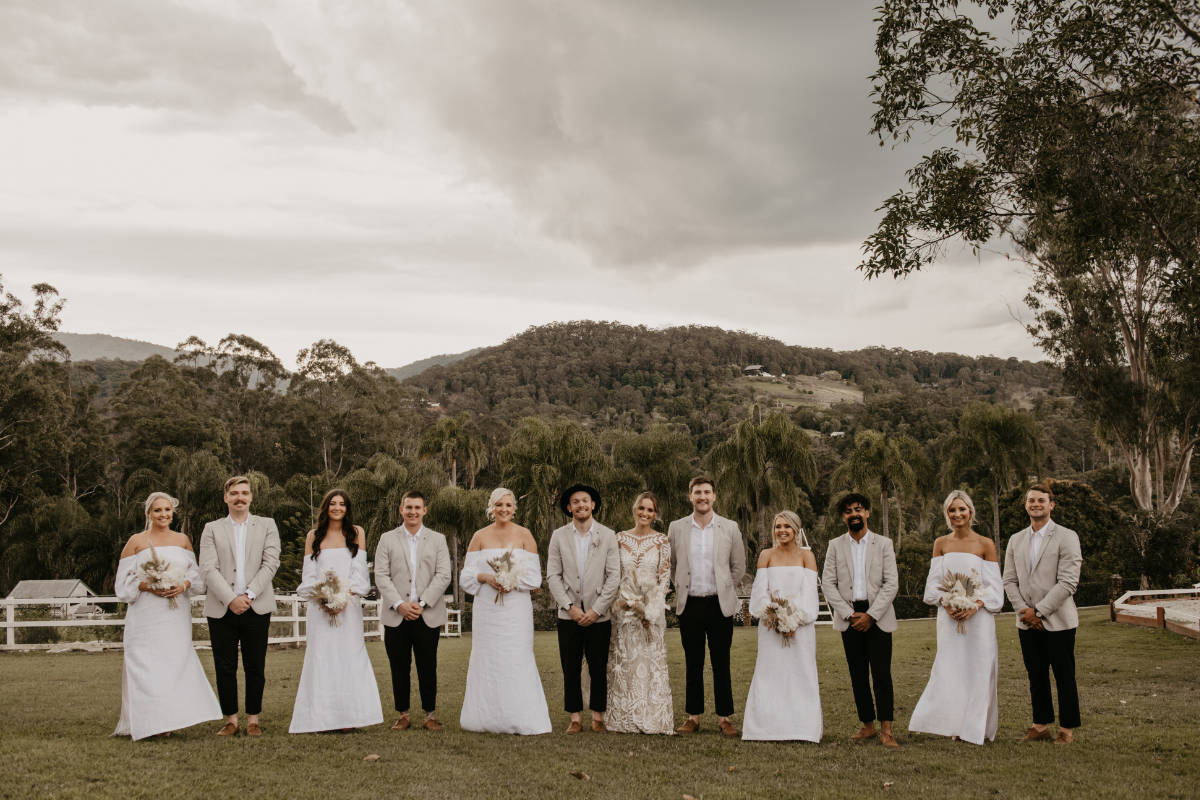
x,y
422,604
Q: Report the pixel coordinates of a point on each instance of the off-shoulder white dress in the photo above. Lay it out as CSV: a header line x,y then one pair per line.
x,y
337,684
504,690
785,700
163,686
960,698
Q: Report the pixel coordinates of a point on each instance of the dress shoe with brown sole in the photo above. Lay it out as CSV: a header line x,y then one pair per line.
x,y
1034,735
727,728
863,734
574,727
253,729
229,729
432,724
598,726
1064,738
890,742
402,723
688,726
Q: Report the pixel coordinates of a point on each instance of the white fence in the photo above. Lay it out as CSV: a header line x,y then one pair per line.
x,y
294,606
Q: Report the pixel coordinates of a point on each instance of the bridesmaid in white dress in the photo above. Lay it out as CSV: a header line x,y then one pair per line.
x,y
504,691
337,684
784,700
163,686
960,699
639,689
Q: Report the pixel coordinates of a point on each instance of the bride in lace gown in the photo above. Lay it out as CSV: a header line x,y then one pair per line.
x,y
504,690
960,699
639,691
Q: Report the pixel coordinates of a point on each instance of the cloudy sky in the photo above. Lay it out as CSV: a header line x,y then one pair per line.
x,y
420,178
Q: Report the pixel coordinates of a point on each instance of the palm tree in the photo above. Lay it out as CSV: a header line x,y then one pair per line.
x,y
659,460
452,441
884,463
457,513
763,465
541,460
998,442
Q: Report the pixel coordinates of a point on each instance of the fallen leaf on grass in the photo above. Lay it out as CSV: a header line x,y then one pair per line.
x,y
688,797
583,776
372,757
888,784
731,769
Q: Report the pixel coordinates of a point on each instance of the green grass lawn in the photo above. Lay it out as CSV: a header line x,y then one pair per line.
x,y
1139,736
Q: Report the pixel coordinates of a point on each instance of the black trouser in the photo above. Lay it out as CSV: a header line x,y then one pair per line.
x,y
413,638
701,619
1045,650
250,630
869,656
576,642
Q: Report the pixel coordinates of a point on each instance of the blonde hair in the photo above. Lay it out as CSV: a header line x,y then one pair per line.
x,y
637,501
234,481
155,496
793,521
498,494
958,494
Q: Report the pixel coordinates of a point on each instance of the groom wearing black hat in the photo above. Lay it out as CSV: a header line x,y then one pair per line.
x,y
583,571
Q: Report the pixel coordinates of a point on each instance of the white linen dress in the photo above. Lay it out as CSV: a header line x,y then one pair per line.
x,y
960,698
337,684
504,690
784,702
163,686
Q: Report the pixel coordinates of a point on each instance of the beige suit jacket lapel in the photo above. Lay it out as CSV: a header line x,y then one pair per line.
x,y
1045,545
226,540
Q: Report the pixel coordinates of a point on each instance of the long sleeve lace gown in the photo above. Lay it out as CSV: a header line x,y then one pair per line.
x,y
504,690
163,686
639,689
337,683
960,698
785,700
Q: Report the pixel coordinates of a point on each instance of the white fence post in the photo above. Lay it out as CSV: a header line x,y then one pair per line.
x,y
10,616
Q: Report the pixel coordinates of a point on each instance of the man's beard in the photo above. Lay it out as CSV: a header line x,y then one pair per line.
x,y
855,524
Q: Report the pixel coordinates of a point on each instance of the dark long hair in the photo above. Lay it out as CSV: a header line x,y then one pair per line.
x,y
348,530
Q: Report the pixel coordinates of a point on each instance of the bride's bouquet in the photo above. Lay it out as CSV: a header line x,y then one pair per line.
x,y
162,573
783,616
332,595
640,602
507,572
960,592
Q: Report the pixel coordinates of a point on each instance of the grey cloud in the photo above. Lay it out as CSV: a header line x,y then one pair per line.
x,y
148,53
645,132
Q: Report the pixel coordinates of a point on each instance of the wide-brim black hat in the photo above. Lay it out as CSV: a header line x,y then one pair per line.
x,y
565,498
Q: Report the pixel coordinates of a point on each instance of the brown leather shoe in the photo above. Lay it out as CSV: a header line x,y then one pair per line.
x,y
229,729
402,723
889,741
574,727
689,726
432,724
598,726
253,729
1034,735
1064,737
727,728
864,733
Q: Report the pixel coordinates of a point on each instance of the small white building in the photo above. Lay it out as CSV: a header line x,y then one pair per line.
x,y
58,589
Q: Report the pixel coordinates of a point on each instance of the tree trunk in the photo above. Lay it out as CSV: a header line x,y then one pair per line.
x,y
453,471
883,501
899,522
996,512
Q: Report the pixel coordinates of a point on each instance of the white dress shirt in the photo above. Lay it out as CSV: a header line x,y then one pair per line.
x,y
414,541
239,555
1035,543
703,564
583,546
858,553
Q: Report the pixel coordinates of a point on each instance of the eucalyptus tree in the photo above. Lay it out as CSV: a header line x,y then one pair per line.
x,y
1076,139
995,443
764,465
543,458
882,463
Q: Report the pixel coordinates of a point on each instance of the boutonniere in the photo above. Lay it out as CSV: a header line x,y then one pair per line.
x,y
595,542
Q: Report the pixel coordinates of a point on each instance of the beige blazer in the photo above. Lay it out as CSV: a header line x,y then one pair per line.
x,y
837,581
1049,584
729,561
218,564
393,575
601,575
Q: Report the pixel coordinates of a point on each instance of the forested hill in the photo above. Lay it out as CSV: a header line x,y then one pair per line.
x,y
634,375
